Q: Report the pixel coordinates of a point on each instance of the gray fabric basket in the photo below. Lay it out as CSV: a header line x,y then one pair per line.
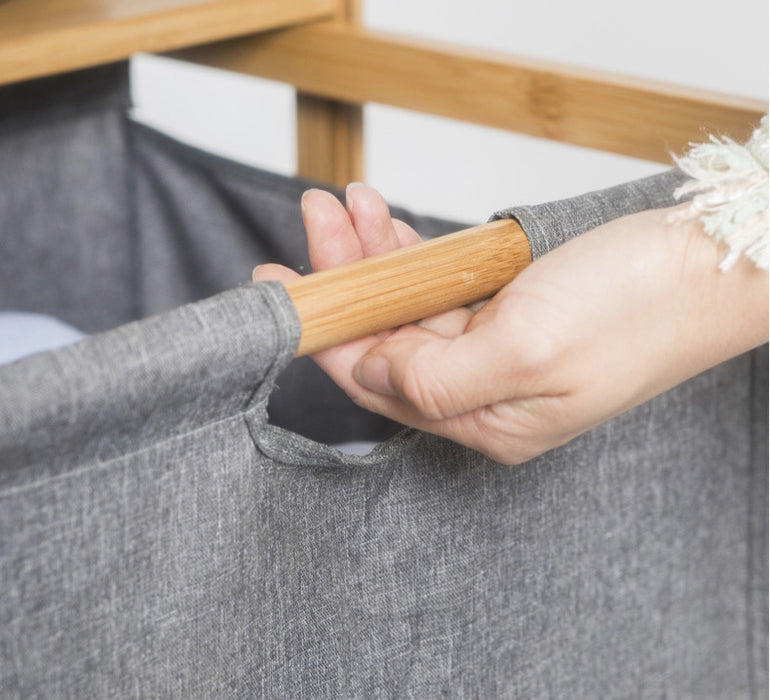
x,y
172,523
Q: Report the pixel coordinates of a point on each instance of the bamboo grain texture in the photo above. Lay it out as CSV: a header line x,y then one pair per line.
x,y
595,109
385,291
43,37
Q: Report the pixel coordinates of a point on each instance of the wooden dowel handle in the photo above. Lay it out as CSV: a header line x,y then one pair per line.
x,y
407,284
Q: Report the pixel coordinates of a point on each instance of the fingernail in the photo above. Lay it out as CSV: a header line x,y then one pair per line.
x,y
348,189
302,202
374,374
254,273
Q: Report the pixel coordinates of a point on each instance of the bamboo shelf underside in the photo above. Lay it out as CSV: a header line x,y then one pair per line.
x,y
43,37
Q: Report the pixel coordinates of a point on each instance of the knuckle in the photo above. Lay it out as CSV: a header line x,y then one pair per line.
x,y
537,337
500,446
536,351
423,392
509,437
358,398
513,453
363,399
507,458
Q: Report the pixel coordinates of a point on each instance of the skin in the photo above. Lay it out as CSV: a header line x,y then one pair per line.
x,y
588,331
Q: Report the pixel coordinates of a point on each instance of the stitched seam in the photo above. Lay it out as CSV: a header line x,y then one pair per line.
x,y
138,305
284,320
105,464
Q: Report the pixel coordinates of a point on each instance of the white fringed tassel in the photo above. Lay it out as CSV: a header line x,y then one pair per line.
x,y
731,194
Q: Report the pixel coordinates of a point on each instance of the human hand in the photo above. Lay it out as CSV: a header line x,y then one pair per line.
x,y
588,331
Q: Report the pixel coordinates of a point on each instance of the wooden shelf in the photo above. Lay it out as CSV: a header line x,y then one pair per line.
x,y
42,37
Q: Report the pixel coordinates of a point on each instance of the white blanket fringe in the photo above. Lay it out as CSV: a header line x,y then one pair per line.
x,y
731,186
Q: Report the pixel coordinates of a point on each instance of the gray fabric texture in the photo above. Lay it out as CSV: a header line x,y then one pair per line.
x,y
203,223
104,220
162,536
553,223
161,539
64,194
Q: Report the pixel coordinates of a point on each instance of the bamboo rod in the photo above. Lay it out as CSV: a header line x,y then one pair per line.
x,y
408,284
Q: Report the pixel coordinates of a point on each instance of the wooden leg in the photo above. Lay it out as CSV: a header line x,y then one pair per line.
x,y
330,133
329,140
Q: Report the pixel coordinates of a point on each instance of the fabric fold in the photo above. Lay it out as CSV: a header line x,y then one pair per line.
x,y
143,382
551,224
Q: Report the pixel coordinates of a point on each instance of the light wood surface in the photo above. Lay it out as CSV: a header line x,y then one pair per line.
x,y
329,140
351,12
408,284
635,117
41,37
330,135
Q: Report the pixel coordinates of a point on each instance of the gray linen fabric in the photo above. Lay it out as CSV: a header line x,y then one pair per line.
x,y
119,221
103,220
203,223
162,536
551,224
159,538
66,245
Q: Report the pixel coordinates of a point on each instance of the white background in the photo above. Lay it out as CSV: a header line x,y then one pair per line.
x,y
442,167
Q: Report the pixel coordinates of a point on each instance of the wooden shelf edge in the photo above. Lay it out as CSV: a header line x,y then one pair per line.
x,y
36,54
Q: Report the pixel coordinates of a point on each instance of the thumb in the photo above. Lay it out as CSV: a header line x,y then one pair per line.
x,y
439,377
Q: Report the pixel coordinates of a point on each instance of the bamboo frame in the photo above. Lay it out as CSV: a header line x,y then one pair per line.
x,y
337,66
634,117
330,134
43,37
329,141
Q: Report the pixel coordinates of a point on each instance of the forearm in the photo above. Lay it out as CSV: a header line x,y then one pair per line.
x,y
726,312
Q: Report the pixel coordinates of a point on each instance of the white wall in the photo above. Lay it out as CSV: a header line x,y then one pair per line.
x,y
443,167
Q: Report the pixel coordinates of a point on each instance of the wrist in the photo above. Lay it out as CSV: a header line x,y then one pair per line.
x,y
726,311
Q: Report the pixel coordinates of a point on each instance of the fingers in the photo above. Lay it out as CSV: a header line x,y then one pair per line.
x,y
338,235
510,432
273,273
446,377
449,323
331,237
370,216
412,379
406,234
